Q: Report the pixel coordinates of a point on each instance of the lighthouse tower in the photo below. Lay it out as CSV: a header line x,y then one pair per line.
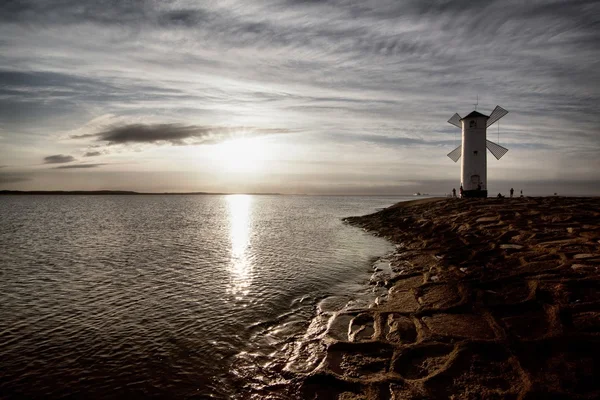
x,y
473,169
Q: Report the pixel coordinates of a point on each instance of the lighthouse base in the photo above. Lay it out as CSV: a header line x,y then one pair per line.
x,y
474,193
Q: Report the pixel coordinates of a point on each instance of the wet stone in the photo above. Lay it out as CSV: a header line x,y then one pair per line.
x,y
305,356
325,386
359,360
408,283
439,296
479,371
459,325
400,329
339,327
379,277
362,328
332,303
317,327
533,263
402,301
422,361
399,391
367,392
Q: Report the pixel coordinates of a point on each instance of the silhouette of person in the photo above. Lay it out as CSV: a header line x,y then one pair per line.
x,y
521,192
453,192
479,186
511,192
461,191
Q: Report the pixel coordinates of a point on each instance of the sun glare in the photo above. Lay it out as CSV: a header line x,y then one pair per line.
x,y
241,155
240,232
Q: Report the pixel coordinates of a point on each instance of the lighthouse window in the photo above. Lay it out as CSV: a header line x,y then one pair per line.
x,y
473,124
475,152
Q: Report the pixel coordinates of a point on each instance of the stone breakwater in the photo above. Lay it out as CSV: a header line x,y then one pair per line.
x,y
482,299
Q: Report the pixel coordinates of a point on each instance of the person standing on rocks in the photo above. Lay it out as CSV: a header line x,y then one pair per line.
x,y
511,192
453,192
461,191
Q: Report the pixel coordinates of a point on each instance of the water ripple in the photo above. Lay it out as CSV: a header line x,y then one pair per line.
x,y
112,296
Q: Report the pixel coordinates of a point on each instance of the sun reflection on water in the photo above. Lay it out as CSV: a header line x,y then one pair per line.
x,y
239,234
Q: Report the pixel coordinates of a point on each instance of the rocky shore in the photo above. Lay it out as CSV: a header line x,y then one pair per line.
x,y
482,299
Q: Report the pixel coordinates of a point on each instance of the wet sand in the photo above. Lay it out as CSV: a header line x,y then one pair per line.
x,y
482,299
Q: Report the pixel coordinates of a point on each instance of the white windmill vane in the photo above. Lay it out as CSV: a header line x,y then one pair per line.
x,y
473,168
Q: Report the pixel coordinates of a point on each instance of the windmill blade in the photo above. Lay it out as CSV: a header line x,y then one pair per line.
x,y
498,113
455,154
455,120
494,148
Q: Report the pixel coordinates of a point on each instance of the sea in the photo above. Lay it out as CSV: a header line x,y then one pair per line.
x,y
179,296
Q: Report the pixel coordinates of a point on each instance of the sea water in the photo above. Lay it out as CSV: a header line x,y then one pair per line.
x,y
158,295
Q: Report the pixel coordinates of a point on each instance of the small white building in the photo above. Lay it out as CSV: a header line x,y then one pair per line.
x,y
473,169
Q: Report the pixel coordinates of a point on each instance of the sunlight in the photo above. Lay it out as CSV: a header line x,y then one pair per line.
x,y
239,233
241,155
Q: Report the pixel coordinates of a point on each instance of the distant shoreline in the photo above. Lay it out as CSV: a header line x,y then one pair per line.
x,y
118,192
133,193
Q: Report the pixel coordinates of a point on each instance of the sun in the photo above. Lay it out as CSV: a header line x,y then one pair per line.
x,y
241,155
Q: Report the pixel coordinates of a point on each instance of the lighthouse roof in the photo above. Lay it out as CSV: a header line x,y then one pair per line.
x,y
475,114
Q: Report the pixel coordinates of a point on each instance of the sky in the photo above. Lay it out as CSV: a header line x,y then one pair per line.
x,y
306,97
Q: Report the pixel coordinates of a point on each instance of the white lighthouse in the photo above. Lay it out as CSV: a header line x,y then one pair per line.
x,y
473,169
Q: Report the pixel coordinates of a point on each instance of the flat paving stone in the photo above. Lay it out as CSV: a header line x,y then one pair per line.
x,y
459,325
402,301
422,361
400,329
439,296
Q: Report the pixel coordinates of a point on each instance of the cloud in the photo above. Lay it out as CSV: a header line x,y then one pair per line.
x,y
58,159
174,134
13,177
386,140
92,154
79,166
372,74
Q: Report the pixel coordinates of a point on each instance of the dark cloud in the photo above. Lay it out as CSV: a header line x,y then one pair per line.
x,y
175,134
39,95
13,177
69,11
79,166
391,140
92,154
58,159
16,80
183,17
